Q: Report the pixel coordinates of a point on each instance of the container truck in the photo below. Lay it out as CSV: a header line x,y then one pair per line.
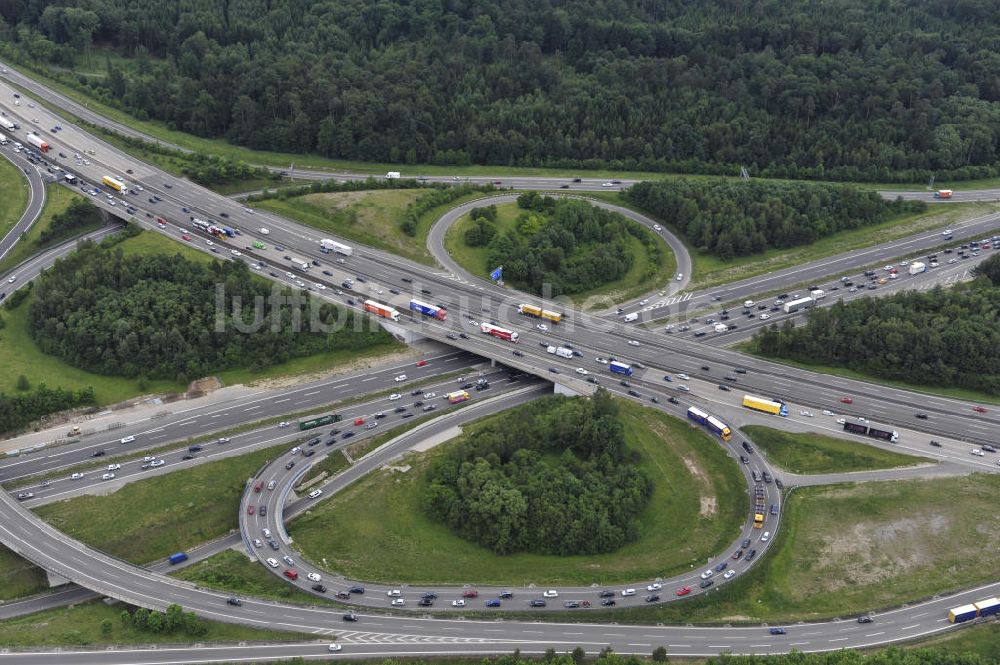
x,y
620,368
963,613
554,317
457,396
719,428
37,141
563,352
114,183
629,318
759,501
942,194
7,124
917,267
891,436
379,309
337,247
988,607
817,294
3,139
801,303
319,422
765,405
229,232
300,264
497,331
539,313
432,311
177,557
697,415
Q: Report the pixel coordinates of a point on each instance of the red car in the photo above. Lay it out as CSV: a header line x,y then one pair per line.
x,y
683,591
186,236
470,593
421,363
979,409
359,421
498,182
291,574
259,486
847,400
250,509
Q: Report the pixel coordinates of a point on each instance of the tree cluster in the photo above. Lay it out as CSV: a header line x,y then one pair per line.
x,y
203,168
79,215
17,411
483,228
990,269
852,90
932,338
566,244
733,218
552,477
174,620
156,316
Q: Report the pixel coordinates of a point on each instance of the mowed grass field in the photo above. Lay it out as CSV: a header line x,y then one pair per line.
x,y
57,199
150,519
847,549
368,217
18,578
232,571
13,196
375,530
816,453
476,261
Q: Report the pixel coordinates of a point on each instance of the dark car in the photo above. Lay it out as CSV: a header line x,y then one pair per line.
x,y
553,370
864,618
538,602
187,457
724,387
706,583
308,453
750,555
778,631
347,435
350,616
744,459
328,273
779,484
233,600
746,543
936,444
98,453
633,393
652,598
262,510
737,554
425,602
357,589
747,447
290,464
922,416
673,400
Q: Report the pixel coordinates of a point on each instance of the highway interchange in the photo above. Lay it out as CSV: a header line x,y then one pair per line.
x,y
593,335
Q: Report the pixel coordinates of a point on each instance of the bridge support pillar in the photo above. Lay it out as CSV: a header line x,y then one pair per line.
x,y
560,389
405,335
56,580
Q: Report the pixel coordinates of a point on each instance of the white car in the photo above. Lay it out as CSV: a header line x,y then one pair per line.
x,y
210,243
680,276
708,573
655,586
607,184
315,577
271,561
394,593
580,370
157,462
283,423
393,397
807,414
683,377
128,439
257,542
764,538
827,412
111,476
765,317
657,227
76,476
400,378
289,275
977,452
683,388
542,327
430,395
458,603
904,263
729,573
315,493
644,301
628,592
235,252
264,231
149,458
299,283
632,342
334,648
114,467
550,593
473,323
289,560
841,421
887,268
318,286
603,361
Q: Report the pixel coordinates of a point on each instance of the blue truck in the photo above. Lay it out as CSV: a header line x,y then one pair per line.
x,y
177,557
229,232
620,368
697,415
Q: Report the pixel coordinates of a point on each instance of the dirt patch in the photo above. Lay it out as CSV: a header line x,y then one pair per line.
x,y
707,502
204,386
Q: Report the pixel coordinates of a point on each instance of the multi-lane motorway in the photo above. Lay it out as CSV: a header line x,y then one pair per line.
x,y
391,279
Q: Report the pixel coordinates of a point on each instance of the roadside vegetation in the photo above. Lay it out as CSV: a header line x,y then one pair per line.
x,y
376,529
57,202
18,577
931,338
555,246
95,623
150,519
816,453
14,192
233,572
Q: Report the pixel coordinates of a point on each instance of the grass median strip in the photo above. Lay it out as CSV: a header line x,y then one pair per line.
x,y
233,572
817,453
18,577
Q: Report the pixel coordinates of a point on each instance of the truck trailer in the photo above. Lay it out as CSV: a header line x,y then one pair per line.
x,y
497,331
719,428
917,267
114,183
334,246
765,405
457,396
37,141
8,125
432,311
892,436
943,194
697,415
801,303
379,309
620,368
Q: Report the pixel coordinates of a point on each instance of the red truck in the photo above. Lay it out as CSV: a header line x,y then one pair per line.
x,y
497,331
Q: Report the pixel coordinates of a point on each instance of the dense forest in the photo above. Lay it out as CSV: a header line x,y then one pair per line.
x,y
845,90
78,216
930,338
733,218
20,409
553,477
566,245
155,316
